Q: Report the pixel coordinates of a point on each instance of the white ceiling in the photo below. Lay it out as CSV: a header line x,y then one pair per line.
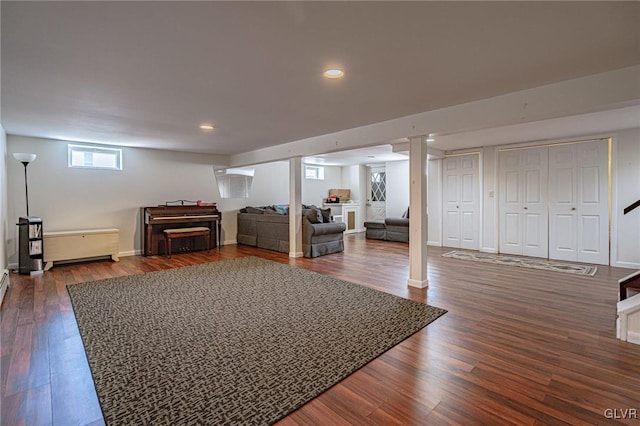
x,y
147,73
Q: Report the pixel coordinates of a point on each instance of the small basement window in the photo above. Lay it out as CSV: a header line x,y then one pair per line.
x,y
314,172
94,157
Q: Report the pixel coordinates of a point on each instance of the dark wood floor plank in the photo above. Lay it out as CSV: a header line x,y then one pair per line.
x,y
14,409
368,387
401,411
518,346
348,404
315,413
39,367
18,373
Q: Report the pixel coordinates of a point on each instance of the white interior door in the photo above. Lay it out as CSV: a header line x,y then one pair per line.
x,y
377,194
523,196
460,219
578,202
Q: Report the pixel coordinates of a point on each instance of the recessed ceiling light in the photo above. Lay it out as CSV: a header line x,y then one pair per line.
x,y
430,140
371,156
207,127
334,73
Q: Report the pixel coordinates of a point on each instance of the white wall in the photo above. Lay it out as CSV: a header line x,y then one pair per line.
x,y
4,222
397,187
69,199
625,231
398,195
351,180
489,197
270,186
354,178
314,191
626,190
434,202
363,195
73,198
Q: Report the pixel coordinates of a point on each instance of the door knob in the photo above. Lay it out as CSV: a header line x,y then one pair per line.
x,y
526,208
573,208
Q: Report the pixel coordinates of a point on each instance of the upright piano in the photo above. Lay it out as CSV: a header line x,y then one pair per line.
x,y
158,218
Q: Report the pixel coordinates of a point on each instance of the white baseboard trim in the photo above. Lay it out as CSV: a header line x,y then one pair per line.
x,y
229,242
130,253
633,337
418,283
295,254
630,265
489,250
434,243
13,266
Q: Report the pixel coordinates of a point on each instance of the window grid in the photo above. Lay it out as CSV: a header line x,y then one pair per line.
x,y
378,186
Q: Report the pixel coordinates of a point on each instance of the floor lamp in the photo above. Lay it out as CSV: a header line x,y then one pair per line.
x,y
25,159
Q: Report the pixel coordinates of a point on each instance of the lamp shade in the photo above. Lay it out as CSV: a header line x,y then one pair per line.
x,y
24,157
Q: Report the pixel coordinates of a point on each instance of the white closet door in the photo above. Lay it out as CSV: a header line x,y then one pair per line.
x,y
579,209
461,224
451,205
536,209
563,224
523,202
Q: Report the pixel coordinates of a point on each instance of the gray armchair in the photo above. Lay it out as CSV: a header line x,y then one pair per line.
x,y
397,229
319,239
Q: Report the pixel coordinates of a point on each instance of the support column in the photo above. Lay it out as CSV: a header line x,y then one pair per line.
x,y
295,207
418,212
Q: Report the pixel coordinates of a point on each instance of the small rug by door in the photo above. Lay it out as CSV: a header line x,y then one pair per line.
x,y
244,341
523,262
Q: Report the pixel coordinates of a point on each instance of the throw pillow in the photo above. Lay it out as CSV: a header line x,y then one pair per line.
x,y
406,214
282,208
254,210
326,215
314,216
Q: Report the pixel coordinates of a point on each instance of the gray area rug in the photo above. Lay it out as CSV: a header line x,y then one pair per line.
x,y
244,341
524,262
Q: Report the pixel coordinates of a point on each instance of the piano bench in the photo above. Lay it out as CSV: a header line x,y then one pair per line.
x,y
199,231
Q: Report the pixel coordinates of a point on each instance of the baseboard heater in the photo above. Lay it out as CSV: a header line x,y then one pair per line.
x,y
82,244
4,283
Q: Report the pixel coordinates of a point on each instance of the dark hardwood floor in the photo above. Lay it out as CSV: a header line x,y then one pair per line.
x,y
518,346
